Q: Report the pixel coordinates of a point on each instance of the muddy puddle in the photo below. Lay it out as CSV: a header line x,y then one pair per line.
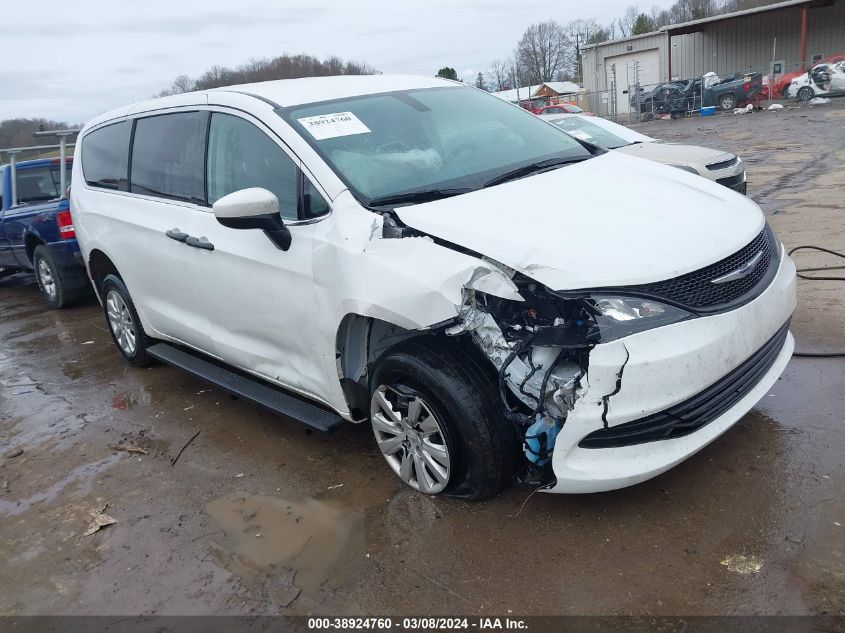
x,y
82,476
268,541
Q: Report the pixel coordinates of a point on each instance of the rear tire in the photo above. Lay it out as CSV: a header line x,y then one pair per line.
x,y
727,102
805,94
48,274
455,386
123,322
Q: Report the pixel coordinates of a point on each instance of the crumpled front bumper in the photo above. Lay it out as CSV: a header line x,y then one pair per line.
x,y
652,371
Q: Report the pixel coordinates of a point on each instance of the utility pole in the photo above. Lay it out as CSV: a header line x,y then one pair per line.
x,y
578,64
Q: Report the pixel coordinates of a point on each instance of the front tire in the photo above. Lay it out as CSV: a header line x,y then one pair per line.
x,y
48,274
805,94
123,322
438,420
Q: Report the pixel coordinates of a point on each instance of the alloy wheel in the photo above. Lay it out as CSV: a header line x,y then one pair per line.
x,y
46,279
411,439
120,321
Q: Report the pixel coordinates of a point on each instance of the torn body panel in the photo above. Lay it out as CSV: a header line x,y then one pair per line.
x,y
406,286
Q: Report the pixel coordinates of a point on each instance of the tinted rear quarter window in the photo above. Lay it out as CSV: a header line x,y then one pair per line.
x,y
38,184
105,155
168,154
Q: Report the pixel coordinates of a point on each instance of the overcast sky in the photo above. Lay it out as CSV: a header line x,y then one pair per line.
x,y
71,59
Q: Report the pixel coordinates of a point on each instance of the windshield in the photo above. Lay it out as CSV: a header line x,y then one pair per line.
x,y
452,138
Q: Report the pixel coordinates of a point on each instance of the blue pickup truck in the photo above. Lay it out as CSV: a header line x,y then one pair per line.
x,y
36,230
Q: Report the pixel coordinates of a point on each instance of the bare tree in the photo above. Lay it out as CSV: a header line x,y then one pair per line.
x,y
18,132
627,21
542,51
183,83
282,67
498,76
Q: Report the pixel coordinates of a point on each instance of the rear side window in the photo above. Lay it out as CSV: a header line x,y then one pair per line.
x,y
105,155
38,184
168,152
241,156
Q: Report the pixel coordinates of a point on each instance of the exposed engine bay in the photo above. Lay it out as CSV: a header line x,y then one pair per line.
x,y
540,348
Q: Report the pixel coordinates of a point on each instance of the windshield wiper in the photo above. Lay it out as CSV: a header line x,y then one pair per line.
x,y
526,170
414,197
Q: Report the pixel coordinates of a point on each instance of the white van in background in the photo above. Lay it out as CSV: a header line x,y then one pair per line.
x,y
492,295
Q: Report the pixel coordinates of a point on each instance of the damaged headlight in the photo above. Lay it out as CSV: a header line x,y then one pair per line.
x,y
618,316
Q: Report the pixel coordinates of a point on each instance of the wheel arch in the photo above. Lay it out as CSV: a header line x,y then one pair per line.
x,y
31,241
99,266
361,341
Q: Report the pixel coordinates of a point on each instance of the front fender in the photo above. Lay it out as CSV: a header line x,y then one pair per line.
x,y
413,283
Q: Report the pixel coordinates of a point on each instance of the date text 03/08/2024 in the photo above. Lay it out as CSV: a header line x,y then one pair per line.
x,y
422,623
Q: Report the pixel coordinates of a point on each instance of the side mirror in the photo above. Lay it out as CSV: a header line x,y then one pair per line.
x,y
253,208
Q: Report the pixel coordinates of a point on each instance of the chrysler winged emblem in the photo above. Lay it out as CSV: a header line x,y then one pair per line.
x,y
740,272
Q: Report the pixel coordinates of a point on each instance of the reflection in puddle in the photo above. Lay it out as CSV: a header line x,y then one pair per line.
x,y
73,370
128,400
85,474
264,535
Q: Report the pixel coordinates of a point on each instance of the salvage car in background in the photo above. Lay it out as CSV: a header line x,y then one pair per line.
x,y
563,108
722,167
783,82
823,80
398,250
36,230
707,90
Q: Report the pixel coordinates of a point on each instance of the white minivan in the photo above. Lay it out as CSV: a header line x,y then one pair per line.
x,y
495,297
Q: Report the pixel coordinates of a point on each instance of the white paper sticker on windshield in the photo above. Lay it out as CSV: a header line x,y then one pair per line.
x,y
580,134
333,125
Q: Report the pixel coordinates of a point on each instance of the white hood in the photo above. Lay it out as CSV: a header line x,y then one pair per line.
x,y
676,154
608,221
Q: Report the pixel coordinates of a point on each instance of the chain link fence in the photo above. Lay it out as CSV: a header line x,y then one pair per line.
x,y
633,102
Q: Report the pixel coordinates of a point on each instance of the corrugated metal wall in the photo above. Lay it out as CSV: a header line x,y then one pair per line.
x,y
736,45
595,69
745,44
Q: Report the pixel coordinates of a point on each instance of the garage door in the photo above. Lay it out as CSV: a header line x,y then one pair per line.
x,y
648,63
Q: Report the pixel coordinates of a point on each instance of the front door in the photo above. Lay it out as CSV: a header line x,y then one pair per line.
x,y
260,299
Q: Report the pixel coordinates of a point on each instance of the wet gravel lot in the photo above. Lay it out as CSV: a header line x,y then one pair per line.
x,y
258,516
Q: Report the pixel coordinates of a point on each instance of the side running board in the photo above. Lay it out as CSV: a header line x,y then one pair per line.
x,y
269,397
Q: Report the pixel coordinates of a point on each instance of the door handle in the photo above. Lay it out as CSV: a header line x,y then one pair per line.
x,y
197,242
176,234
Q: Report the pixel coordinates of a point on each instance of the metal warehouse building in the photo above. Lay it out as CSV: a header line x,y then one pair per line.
x,y
792,34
